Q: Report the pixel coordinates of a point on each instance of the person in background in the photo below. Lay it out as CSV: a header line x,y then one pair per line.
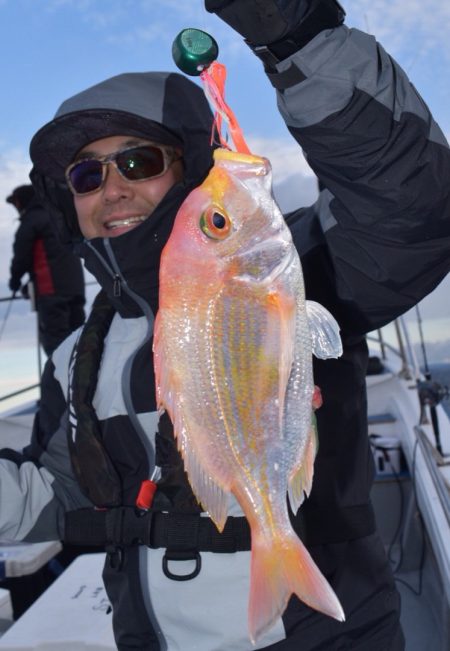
x,y
113,167
55,272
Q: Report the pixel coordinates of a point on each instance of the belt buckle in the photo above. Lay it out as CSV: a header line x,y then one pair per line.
x,y
181,555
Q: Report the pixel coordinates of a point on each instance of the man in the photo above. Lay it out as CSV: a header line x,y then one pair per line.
x,y
56,274
114,166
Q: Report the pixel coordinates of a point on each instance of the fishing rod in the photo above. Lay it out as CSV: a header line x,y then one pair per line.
x,y
11,298
431,393
7,313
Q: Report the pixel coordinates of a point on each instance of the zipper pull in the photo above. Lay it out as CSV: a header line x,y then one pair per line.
x,y
117,286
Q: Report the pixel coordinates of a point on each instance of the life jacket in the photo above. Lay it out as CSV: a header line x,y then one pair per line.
x,y
184,532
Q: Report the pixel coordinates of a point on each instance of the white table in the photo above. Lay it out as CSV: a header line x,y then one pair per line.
x,y
72,614
22,559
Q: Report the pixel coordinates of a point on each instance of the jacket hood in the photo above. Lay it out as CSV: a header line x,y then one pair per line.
x,y
21,196
161,106
33,205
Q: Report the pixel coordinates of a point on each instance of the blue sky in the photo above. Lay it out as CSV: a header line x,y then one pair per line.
x,y
52,49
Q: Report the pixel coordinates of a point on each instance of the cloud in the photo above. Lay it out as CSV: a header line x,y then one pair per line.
x,y
134,20
417,26
294,182
14,169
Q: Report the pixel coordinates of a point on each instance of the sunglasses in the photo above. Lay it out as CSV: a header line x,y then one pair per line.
x,y
133,164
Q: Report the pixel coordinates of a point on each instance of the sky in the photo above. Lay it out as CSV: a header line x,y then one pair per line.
x,y
52,49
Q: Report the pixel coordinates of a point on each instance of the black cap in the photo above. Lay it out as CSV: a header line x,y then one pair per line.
x,y
21,196
130,104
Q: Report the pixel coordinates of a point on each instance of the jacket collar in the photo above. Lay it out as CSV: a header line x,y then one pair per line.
x,y
127,267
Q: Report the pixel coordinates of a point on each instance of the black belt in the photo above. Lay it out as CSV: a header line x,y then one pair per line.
x,y
183,535
124,526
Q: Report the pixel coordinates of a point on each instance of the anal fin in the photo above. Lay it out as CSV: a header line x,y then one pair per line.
x,y
300,482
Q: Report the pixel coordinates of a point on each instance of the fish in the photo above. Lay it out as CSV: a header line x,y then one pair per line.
x,y
233,345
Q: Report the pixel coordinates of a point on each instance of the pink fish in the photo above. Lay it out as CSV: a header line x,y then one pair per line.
x,y
233,345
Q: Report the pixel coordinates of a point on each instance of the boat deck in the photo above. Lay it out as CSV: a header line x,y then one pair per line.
x,y
425,614
425,611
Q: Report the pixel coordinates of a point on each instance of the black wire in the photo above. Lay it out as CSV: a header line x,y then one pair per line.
x,y
400,519
402,500
417,591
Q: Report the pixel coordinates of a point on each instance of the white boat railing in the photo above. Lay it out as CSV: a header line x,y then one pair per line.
x,y
9,300
402,348
434,460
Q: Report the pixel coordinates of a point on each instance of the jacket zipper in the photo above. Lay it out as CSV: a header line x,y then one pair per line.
x,y
120,284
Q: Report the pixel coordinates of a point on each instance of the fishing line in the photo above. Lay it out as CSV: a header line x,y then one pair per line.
x,y
204,15
7,313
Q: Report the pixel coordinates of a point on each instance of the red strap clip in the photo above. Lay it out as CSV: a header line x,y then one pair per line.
x,y
146,493
317,398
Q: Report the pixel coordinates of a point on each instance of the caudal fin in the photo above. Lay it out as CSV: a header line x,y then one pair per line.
x,y
278,570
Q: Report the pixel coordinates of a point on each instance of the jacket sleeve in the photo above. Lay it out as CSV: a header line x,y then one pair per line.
x,y
37,486
380,230
22,259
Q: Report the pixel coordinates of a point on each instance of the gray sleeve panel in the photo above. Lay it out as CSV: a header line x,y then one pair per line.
x,y
380,231
336,63
56,459
25,491
34,497
323,210
49,525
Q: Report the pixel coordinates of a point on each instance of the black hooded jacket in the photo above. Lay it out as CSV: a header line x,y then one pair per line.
x,y
38,252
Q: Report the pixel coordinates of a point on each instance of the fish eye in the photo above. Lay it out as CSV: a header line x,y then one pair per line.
x,y
215,224
219,220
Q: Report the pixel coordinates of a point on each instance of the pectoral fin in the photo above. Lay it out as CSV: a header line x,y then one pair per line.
x,y
325,337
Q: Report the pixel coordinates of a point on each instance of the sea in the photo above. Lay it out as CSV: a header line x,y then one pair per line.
x,y
20,363
440,372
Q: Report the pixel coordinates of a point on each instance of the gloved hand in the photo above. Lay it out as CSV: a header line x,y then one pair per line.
x,y
14,285
263,22
24,291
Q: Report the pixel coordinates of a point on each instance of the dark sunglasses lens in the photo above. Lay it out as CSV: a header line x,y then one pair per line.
x,y
86,176
140,163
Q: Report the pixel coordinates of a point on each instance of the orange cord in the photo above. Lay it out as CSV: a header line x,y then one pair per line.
x,y
213,79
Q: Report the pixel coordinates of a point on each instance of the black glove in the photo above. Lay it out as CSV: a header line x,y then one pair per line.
x,y
14,285
284,25
24,291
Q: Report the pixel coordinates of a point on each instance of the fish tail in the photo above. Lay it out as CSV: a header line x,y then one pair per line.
x,y
279,569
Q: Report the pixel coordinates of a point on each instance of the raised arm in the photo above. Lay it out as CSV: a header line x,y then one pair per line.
x,y
382,224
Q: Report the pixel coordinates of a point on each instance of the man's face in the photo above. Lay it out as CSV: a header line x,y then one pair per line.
x,y
120,205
